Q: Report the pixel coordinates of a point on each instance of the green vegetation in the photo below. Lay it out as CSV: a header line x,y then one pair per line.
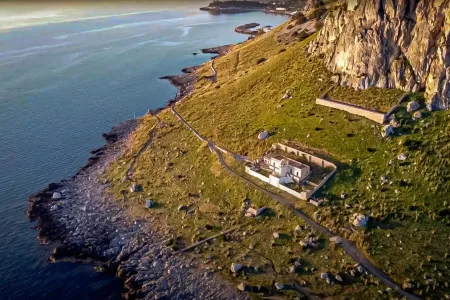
x,y
409,235
373,98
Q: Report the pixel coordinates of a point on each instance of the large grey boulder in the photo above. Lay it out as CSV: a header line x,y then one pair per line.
x,y
412,106
56,196
360,221
387,131
279,286
263,135
417,115
236,267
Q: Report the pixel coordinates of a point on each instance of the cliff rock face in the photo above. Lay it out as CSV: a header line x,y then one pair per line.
x,y
390,43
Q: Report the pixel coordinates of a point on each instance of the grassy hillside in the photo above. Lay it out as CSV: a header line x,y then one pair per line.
x,y
409,237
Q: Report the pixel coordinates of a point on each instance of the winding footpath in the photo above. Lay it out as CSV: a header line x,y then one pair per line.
x,y
144,147
349,246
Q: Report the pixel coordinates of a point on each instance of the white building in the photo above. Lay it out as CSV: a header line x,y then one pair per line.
x,y
285,170
267,28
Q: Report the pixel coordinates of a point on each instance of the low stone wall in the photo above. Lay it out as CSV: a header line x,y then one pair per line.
x,y
302,195
373,115
394,108
261,177
312,159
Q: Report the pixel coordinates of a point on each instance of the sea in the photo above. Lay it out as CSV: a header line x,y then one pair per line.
x,y
64,83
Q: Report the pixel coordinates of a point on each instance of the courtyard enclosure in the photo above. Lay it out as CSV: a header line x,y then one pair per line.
x,y
286,171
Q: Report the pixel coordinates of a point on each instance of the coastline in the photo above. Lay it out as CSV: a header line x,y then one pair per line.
x,y
86,225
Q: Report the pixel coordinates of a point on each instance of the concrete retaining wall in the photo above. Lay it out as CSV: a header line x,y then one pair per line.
x,y
373,115
302,195
261,177
394,108
296,194
312,159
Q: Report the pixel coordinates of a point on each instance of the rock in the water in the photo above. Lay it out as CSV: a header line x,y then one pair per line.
x,y
276,235
149,204
338,278
412,106
56,196
387,131
263,135
236,267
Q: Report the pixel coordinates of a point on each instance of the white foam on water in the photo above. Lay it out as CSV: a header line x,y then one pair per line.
x,y
170,43
186,30
121,26
33,49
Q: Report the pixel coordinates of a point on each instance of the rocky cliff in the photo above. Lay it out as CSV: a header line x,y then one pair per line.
x,y
390,43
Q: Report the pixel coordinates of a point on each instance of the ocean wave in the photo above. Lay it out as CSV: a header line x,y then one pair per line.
x,y
170,43
209,23
33,49
186,30
137,45
121,26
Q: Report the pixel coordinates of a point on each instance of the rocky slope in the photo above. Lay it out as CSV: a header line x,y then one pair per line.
x,y
387,43
80,217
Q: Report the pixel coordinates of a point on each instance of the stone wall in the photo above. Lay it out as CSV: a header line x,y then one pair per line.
x,y
312,159
353,109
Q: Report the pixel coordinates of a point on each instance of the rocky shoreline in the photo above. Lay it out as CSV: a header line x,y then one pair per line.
x,y
84,223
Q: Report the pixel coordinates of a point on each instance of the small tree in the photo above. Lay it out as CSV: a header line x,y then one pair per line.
x,y
300,18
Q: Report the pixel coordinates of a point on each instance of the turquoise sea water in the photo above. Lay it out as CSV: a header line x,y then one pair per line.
x,y
61,86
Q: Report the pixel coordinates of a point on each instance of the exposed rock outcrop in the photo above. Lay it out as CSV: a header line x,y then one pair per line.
x,y
312,4
384,43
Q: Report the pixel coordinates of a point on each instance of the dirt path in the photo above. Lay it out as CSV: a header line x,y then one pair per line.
x,y
144,147
347,245
214,71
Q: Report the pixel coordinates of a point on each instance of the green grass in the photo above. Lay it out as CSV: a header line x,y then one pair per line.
x,y
243,103
373,98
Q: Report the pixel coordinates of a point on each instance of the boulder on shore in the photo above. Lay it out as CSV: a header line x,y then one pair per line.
x,y
56,196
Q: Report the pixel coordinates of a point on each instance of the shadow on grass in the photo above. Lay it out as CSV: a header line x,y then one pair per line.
x,y
345,177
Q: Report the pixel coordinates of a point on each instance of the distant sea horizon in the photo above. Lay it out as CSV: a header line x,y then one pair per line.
x,y
62,83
